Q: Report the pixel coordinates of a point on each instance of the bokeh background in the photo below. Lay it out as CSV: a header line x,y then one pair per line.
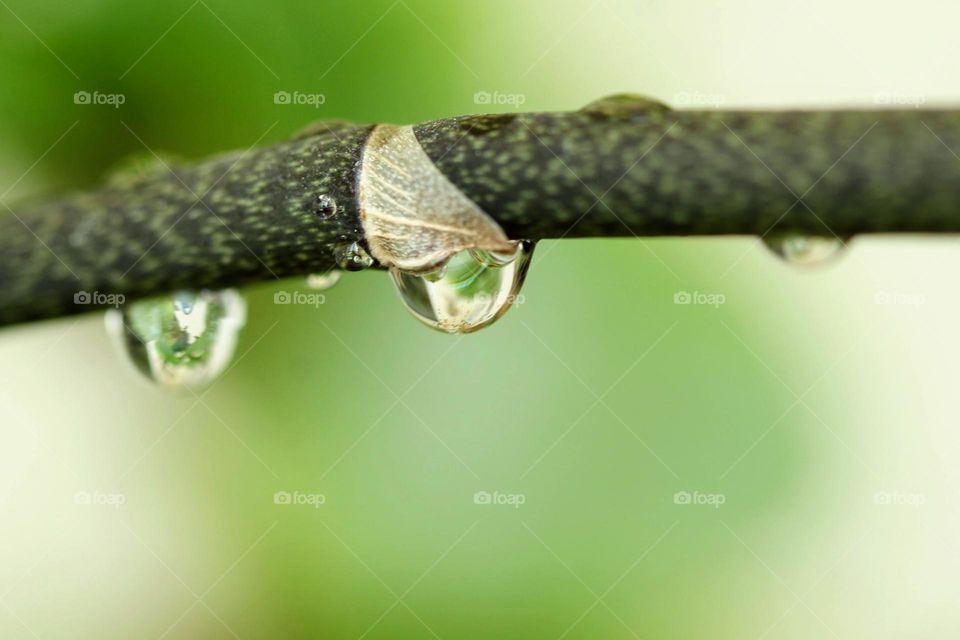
x,y
823,420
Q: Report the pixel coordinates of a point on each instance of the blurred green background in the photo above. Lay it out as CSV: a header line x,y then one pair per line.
x,y
825,423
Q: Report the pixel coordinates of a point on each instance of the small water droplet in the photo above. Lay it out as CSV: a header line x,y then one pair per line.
x,y
183,340
625,106
804,250
326,206
323,281
472,291
351,256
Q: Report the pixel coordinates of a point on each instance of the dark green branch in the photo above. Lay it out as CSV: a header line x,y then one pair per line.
x,y
242,217
620,167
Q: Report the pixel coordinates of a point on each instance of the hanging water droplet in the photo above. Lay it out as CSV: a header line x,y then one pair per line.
x,y
183,340
326,206
323,281
472,291
351,256
804,250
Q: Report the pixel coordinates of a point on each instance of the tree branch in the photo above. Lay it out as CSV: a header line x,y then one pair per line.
x,y
622,166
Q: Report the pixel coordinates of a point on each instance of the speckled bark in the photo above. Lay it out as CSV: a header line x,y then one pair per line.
x,y
619,167
234,219
662,172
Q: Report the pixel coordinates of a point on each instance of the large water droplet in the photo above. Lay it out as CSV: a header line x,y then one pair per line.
x,y
472,290
804,250
351,256
323,281
182,340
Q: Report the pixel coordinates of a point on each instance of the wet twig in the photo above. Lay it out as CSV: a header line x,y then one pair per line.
x,y
620,167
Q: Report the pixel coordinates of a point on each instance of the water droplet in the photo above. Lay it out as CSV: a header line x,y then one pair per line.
x,y
183,340
323,281
351,256
472,290
326,206
804,250
625,106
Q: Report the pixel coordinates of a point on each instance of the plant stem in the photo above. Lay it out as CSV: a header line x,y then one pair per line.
x,y
622,166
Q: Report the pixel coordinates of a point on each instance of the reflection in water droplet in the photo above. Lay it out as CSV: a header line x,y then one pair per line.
x,y
804,250
323,281
183,340
183,303
492,258
351,256
472,290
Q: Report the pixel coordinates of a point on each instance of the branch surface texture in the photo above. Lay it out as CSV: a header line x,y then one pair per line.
x,y
622,166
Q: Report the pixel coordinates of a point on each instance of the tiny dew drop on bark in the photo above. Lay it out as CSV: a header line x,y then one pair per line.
x,y
804,250
471,291
183,340
326,206
351,256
